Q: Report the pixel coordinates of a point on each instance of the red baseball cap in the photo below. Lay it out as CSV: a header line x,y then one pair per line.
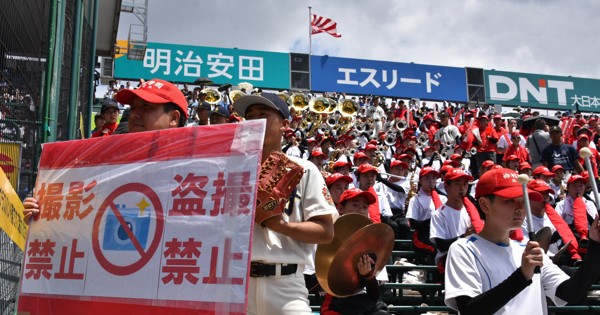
x,y
360,155
156,91
428,149
457,173
502,182
340,142
331,179
497,116
316,153
446,168
355,192
556,168
515,133
542,170
398,163
311,140
575,178
540,186
373,142
364,168
427,170
404,156
341,164
512,157
583,136
456,157
524,166
370,147
410,150
487,163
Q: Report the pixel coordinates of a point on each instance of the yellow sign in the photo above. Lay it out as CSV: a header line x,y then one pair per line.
x,y
10,161
11,213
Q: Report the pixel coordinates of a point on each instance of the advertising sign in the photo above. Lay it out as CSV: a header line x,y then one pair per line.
x,y
542,91
144,223
184,63
394,79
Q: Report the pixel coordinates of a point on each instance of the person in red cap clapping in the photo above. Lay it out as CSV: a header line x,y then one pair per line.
x,y
515,148
488,273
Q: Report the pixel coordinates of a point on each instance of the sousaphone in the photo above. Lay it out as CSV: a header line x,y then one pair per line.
x,y
336,262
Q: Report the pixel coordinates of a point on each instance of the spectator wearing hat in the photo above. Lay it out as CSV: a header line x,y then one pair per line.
x,y
584,131
559,153
525,168
537,142
203,113
512,162
452,220
543,173
364,300
543,214
490,273
292,148
366,176
219,115
377,114
558,183
448,134
110,114
420,208
576,210
123,126
484,140
486,166
154,105
311,143
342,167
317,157
583,141
337,184
283,242
501,132
432,158
515,148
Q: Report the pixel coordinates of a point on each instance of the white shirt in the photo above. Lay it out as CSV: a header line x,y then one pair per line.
x,y
476,265
565,208
384,204
448,223
421,206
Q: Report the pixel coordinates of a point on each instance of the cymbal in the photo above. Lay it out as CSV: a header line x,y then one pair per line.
x,y
543,236
561,251
337,269
344,227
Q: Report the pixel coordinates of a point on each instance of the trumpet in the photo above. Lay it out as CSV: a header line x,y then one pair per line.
x,y
299,101
348,107
234,95
319,105
212,96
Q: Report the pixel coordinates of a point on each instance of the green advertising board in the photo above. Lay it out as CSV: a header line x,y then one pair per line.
x,y
185,64
542,91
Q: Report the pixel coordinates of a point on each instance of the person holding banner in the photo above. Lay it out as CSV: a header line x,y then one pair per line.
x,y
156,104
488,273
282,244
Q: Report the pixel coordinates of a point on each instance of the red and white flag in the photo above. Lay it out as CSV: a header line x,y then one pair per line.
x,y
321,24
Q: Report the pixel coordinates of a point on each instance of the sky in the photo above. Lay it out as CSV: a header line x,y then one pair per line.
x,y
553,37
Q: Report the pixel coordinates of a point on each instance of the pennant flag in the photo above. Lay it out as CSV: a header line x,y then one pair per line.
x,y
321,24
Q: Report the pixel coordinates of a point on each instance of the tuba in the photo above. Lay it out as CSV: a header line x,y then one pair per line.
x,y
212,96
246,86
234,95
348,107
390,139
401,125
298,101
319,105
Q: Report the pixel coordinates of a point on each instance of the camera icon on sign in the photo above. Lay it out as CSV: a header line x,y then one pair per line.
x,y
116,236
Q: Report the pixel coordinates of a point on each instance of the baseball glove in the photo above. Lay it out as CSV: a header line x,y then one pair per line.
x,y
278,177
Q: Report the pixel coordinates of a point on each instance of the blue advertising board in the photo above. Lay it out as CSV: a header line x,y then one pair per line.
x,y
393,79
185,64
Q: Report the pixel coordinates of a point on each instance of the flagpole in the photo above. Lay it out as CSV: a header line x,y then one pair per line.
x,y
309,31
309,45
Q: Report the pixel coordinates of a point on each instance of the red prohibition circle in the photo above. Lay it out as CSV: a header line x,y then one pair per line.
x,y
125,270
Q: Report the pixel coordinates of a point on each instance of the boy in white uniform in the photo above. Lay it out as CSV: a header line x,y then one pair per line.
x,y
282,247
451,221
488,273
